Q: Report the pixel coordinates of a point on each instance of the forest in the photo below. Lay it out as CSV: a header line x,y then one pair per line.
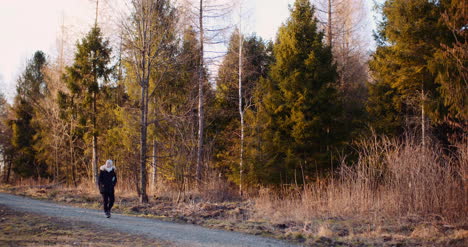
x,y
314,116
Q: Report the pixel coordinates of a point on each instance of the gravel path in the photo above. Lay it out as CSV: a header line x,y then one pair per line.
x,y
179,234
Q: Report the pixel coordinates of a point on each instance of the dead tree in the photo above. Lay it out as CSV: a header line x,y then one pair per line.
x,y
211,30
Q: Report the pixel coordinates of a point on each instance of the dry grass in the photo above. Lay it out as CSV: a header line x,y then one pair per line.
x,y
26,229
397,193
214,190
325,231
426,232
397,188
391,180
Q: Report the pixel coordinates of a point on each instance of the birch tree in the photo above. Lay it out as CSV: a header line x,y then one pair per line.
x,y
201,123
241,110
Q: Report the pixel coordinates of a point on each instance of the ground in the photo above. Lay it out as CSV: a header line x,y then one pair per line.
x,y
26,229
241,216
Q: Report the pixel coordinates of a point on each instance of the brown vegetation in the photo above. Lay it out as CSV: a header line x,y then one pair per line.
x,y
25,229
392,179
394,185
397,193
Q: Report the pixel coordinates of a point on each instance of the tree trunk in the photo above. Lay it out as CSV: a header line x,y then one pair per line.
x,y
423,122
143,122
8,171
56,173
97,12
95,156
74,177
241,112
95,142
69,175
330,38
200,101
4,168
154,165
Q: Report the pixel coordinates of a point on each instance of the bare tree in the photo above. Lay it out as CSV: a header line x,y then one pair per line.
x,y
201,122
345,24
93,119
59,138
145,35
241,110
212,26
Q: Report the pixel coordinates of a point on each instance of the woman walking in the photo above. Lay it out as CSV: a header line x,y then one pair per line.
x,y
107,181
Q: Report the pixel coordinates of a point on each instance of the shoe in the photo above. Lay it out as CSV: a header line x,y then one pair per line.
x,y
108,214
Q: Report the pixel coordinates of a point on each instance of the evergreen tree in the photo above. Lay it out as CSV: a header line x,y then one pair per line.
x,y
6,148
451,63
85,79
23,139
256,60
300,106
30,89
32,84
411,81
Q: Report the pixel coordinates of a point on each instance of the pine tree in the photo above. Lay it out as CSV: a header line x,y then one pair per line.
x,y
300,106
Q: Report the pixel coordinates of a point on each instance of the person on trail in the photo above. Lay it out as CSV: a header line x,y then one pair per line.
x,y
107,181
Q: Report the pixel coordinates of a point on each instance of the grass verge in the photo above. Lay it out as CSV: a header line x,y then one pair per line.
x,y
246,217
26,229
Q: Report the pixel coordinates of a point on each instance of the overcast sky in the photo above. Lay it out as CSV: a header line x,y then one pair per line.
x,y
31,25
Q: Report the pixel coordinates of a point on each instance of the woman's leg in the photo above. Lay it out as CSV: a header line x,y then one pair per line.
x,y
111,200
105,198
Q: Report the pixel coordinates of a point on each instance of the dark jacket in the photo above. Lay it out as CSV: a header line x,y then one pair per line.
x,y
107,180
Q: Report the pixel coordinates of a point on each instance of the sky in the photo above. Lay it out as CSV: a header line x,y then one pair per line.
x,y
31,25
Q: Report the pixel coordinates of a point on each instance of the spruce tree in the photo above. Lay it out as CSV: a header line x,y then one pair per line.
x,y
451,62
300,105
84,79
6,148
30,89
413,80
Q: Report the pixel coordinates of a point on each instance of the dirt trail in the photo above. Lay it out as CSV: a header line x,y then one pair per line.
x,y
179,234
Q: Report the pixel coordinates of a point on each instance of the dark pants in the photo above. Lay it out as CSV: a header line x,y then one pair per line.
x,y
108,198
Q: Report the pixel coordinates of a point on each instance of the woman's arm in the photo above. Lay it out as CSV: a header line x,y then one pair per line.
x,y
114,179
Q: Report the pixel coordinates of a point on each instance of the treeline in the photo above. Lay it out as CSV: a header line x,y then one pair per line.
x,y
282,112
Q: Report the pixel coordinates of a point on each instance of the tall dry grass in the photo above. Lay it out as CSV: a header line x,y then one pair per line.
x,y
391,179
213,189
